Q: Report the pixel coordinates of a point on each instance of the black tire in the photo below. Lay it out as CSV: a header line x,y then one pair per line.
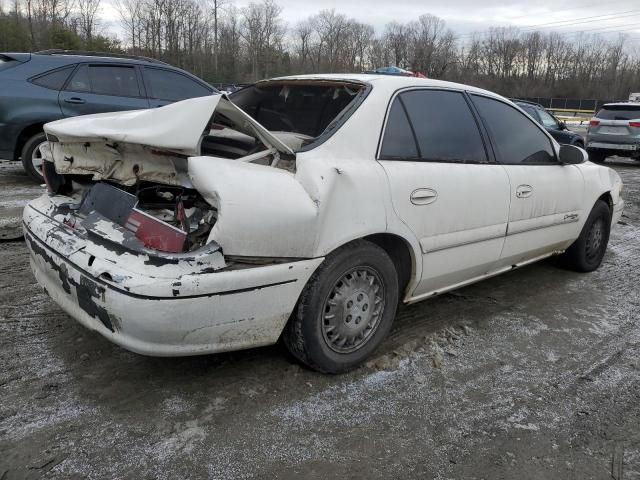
x,y
309,335
27,156
597,156
586,253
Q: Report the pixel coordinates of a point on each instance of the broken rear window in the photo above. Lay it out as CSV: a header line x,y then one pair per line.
x,y
303,107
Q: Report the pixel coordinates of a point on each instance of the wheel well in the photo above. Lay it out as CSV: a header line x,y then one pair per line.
x,y
398,249
606,197
25,135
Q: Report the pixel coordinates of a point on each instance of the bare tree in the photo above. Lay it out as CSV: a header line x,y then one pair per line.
x,y
87,11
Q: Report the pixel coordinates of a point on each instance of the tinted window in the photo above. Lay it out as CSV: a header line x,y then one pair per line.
x,y
547,120
55,79
80,80
622,112
517,138
398,141
167,85
114,80
444,126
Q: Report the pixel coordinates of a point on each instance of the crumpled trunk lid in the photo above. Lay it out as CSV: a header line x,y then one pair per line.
x,y
151,144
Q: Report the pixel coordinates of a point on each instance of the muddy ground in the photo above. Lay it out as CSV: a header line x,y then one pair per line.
x,y
531,375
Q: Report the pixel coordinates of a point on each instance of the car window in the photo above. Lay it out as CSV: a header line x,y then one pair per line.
x,y
444,126
530,111
399,142
80,80
168,85
119,81
547,120
54,80
619,112
517,138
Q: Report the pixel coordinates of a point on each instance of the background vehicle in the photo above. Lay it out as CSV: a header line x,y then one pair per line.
x,y
41,87
615,130
555,127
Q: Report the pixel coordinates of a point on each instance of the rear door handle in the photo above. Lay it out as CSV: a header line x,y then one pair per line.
x,y
75,100
423,196
524,191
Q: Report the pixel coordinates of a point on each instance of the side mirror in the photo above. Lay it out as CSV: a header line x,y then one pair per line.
x,y
572,155
562,125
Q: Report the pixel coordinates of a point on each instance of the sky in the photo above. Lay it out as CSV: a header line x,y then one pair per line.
x,y
604,17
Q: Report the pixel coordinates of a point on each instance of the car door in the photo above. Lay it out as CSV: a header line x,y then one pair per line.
x,y
444,185
167,86
546,196
99,88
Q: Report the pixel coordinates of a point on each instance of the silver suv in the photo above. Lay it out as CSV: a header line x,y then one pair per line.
x,y
615,130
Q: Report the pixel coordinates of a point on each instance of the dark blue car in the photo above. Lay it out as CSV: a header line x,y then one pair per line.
x,y
36,88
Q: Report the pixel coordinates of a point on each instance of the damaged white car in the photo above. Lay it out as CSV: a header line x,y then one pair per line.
x,y
304,207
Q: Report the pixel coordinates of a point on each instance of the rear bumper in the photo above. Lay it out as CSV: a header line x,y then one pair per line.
x,y
626,147
162,311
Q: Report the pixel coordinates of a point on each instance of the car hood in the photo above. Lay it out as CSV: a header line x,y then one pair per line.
x,y
177,127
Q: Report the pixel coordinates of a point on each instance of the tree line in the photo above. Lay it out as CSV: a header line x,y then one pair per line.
x,y
225,44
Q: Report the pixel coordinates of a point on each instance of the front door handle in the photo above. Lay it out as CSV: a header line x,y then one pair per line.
x,y
524,191
75,100
423,196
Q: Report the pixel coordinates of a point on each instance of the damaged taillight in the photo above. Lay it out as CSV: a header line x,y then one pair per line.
x,y
155,233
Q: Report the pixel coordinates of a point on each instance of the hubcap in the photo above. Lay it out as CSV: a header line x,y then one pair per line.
x,y
36,158
595,239
352,310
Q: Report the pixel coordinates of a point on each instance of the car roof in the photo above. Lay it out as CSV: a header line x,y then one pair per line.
x,y
622,104
396,81
73,56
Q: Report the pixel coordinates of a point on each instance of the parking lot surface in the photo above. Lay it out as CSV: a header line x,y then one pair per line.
x,y
534,374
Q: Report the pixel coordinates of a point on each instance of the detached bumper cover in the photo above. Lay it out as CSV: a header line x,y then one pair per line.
x,y
174,309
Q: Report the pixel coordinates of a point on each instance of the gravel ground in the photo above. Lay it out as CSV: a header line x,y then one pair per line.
x,y
531,375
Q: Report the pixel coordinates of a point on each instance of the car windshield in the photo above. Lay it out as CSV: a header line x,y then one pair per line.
x,y
622,112
301,107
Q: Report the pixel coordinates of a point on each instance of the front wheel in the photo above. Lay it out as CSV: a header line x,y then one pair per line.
x,y
32,156
586,253
345,310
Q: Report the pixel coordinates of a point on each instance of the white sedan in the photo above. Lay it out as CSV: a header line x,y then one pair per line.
x,y
305,207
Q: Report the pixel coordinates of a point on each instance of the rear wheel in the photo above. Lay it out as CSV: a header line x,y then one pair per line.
x,y
586,253
597,156
345,310
32,156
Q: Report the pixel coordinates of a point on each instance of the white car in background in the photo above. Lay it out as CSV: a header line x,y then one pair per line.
x,y
306,207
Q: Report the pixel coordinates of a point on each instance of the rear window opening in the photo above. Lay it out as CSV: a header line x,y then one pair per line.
x,y
619,112
307,109
298,113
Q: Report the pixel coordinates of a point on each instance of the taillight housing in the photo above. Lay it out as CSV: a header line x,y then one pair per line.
x,y
155,233
635,123
594,123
